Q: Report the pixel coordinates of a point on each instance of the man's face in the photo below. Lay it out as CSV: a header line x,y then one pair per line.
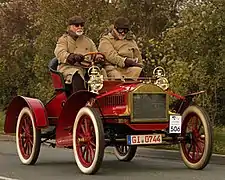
x,y
121,32
77,28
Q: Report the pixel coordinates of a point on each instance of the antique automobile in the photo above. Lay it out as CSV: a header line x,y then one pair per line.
x,y
123,114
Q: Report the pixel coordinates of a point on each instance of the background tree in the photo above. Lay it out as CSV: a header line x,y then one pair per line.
x,y
17,34
196,56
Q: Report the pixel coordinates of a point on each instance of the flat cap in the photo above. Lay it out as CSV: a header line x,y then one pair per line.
x,y
76,20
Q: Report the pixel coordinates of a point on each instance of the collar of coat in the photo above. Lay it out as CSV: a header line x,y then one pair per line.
x,y
72,34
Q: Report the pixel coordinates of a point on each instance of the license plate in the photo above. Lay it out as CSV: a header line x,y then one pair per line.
x,y
175,123
144,139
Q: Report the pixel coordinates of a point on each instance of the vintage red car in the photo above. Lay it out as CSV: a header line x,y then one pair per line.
x,y
123,114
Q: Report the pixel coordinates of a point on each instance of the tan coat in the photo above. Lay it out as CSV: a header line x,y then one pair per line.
x,y
66,45
116,51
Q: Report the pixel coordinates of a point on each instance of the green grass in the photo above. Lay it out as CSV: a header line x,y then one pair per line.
x,y
2,117
219,140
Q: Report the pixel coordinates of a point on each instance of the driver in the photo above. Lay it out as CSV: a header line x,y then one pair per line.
x,y
121,51
70,50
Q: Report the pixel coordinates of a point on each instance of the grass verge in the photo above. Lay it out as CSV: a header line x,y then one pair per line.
x,y
2,117
219,140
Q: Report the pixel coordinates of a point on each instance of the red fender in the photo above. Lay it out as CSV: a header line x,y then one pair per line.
x,y
17,104
66,119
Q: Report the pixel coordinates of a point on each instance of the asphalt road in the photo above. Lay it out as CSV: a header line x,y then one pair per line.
x,y
59,164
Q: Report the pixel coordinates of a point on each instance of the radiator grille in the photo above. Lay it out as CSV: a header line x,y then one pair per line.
x,y
114,100
149,107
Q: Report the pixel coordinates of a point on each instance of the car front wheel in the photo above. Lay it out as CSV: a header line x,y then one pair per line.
x,y
196,148
88,140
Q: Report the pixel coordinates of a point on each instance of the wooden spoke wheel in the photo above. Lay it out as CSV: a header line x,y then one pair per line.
x,y
196,148
28,137
88,140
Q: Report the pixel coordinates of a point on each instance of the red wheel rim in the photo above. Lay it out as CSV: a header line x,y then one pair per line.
x,y
86,141
194,144
26,137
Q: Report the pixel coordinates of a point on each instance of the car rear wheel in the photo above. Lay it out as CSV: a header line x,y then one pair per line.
x,y
124,152
28,137
88,140
196,148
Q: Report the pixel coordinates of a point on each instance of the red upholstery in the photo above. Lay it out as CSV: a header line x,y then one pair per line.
x,y
57,80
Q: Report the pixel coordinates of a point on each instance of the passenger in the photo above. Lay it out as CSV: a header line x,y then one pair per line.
x,y
70,50
121,51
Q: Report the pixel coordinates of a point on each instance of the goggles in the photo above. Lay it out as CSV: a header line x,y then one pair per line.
x,y
122,30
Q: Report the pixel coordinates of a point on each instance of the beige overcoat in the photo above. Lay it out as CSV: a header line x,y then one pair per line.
x,y
66,45
116,51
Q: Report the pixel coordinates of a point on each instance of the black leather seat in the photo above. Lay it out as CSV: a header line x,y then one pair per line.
x,y
53,64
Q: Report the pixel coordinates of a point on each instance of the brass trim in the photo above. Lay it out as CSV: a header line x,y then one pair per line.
x,y
147,89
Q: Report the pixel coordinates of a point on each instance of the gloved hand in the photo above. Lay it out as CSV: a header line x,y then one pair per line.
x,y
70,59
73,58
78,57
129,62
99,58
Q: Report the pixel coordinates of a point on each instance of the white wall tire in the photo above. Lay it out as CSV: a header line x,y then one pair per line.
x,y
28,137
88,140
196,151
124,152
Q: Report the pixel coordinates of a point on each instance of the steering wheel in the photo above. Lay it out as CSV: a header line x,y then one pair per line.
x,y
88,62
